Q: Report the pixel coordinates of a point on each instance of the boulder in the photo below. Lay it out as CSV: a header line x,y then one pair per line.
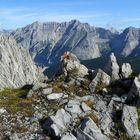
x,y
68,136
56,96
90,128
130,121
30,93
47,91
126,70
100,80
71,65
73,106
58,124
81,135
113,68
85,107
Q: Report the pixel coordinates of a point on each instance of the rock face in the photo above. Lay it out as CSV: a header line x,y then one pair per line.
x,y
113,68
16,66
130,120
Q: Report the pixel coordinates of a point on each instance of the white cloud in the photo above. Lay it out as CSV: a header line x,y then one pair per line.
x,y
21,16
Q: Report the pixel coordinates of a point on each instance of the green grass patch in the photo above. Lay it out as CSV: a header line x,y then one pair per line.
x,y
14,100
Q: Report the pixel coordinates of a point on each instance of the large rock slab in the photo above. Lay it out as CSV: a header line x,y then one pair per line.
x,y
100,80
130,121
58,124
90,131
103,112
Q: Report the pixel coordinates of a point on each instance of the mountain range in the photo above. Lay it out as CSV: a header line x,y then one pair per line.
x,y
47,41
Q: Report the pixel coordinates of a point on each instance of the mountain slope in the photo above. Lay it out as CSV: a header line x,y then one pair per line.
x,y
127,43
16,66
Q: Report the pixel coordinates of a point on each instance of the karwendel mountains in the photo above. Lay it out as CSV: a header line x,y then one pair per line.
x,y
47,41
78,102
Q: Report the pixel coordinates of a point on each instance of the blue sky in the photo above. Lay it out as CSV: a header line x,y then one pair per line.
x,y
104,13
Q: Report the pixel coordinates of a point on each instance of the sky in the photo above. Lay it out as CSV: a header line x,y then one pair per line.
x,y
102,13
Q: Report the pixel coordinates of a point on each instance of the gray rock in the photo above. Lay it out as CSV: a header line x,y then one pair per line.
x,y
130,122
16,66
59,123
38,86
135,90
126,70
2,110
73,106
14,136
81,135
47,91
72,66
68,136
30,93
117,98
103,113
85,107
56,96
101,79
113,68
90,128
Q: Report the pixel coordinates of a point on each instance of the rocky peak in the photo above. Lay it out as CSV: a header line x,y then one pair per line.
x,y
70,64
112,67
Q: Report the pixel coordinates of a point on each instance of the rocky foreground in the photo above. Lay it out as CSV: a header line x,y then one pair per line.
x,y
77,104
